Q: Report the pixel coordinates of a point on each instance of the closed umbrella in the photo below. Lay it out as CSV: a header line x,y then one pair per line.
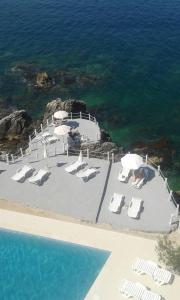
x,y
80,158
62,130
131,161
60,114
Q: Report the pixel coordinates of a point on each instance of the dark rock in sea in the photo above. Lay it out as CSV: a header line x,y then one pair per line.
x,y
44,81
15,126
160,151
71,105
102,149
5,109
105,137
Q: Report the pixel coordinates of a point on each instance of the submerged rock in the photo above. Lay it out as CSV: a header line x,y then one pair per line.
x,y
44,81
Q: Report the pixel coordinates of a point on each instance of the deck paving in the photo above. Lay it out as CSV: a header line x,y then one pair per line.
x,y
68,195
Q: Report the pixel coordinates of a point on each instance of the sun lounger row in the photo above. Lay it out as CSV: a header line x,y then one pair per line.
x,y
159,275
117,202
36,177
137,290
77,167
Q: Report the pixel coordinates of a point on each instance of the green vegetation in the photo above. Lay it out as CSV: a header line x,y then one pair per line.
x,y
169,253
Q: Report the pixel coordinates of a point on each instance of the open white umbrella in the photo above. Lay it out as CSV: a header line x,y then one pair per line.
x,y
131,161
60,114
62,130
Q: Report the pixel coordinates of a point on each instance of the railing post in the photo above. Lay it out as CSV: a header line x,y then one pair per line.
x,y
21,150
41,127
36,155
47,122
165,181
52,118
71,116
29,138
30,147
35,132
112,157
177,210
94,119
170,195
7,159
158,168
108,156
146,159
80,115
67,153
55,149
89,117
63,147
88,153
12,158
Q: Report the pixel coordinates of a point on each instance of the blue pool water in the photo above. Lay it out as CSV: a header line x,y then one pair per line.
x,y
43,269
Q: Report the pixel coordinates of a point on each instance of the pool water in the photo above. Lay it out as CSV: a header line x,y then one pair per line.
x,y
40,268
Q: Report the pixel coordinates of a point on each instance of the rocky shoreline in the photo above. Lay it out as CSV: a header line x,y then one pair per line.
x,y
17,125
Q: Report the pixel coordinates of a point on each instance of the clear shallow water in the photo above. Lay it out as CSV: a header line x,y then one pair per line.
x,y
44,269
133,45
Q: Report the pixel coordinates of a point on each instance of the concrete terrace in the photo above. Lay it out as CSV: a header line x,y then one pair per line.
x,y
68,195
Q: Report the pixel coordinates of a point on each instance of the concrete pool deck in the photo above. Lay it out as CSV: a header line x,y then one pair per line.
x,y
117,267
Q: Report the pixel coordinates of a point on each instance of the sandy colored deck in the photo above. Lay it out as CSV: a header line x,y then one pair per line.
x,y
124,249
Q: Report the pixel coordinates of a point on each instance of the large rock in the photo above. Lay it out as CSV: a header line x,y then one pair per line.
x,y
15,126
44,81
70,105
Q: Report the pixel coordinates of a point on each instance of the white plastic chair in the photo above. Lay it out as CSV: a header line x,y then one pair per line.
x,y
116,202
123,175
148,295
131,289
135,207
142,266
86,174
39,176
162,276
23,173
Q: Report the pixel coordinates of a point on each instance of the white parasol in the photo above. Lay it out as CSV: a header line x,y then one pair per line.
x,y
62,130
131,161
60,114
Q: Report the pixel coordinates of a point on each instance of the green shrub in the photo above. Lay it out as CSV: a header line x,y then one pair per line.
x,y
169,253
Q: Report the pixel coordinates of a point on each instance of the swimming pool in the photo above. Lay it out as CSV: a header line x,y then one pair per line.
x,y
39,268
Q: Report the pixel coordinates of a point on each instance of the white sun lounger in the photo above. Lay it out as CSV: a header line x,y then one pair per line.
x,y
123,175
148,295
116,203
135,207
86,174
162,276
78,164
39,176
131,289
142,266
23,173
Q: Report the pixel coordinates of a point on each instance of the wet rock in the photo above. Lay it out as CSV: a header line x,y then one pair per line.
x,y
44,81
71,105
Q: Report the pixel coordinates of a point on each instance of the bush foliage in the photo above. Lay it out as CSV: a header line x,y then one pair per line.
x,y
169,254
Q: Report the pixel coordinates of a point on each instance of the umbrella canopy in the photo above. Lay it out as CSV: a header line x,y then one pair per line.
x,y
62,130
131,161
61,114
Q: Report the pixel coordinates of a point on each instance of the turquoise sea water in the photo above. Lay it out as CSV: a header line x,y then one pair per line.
x,y
43,269
133,45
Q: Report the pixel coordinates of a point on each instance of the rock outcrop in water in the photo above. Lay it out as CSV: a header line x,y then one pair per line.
x,y
36,78
71,105
14,129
